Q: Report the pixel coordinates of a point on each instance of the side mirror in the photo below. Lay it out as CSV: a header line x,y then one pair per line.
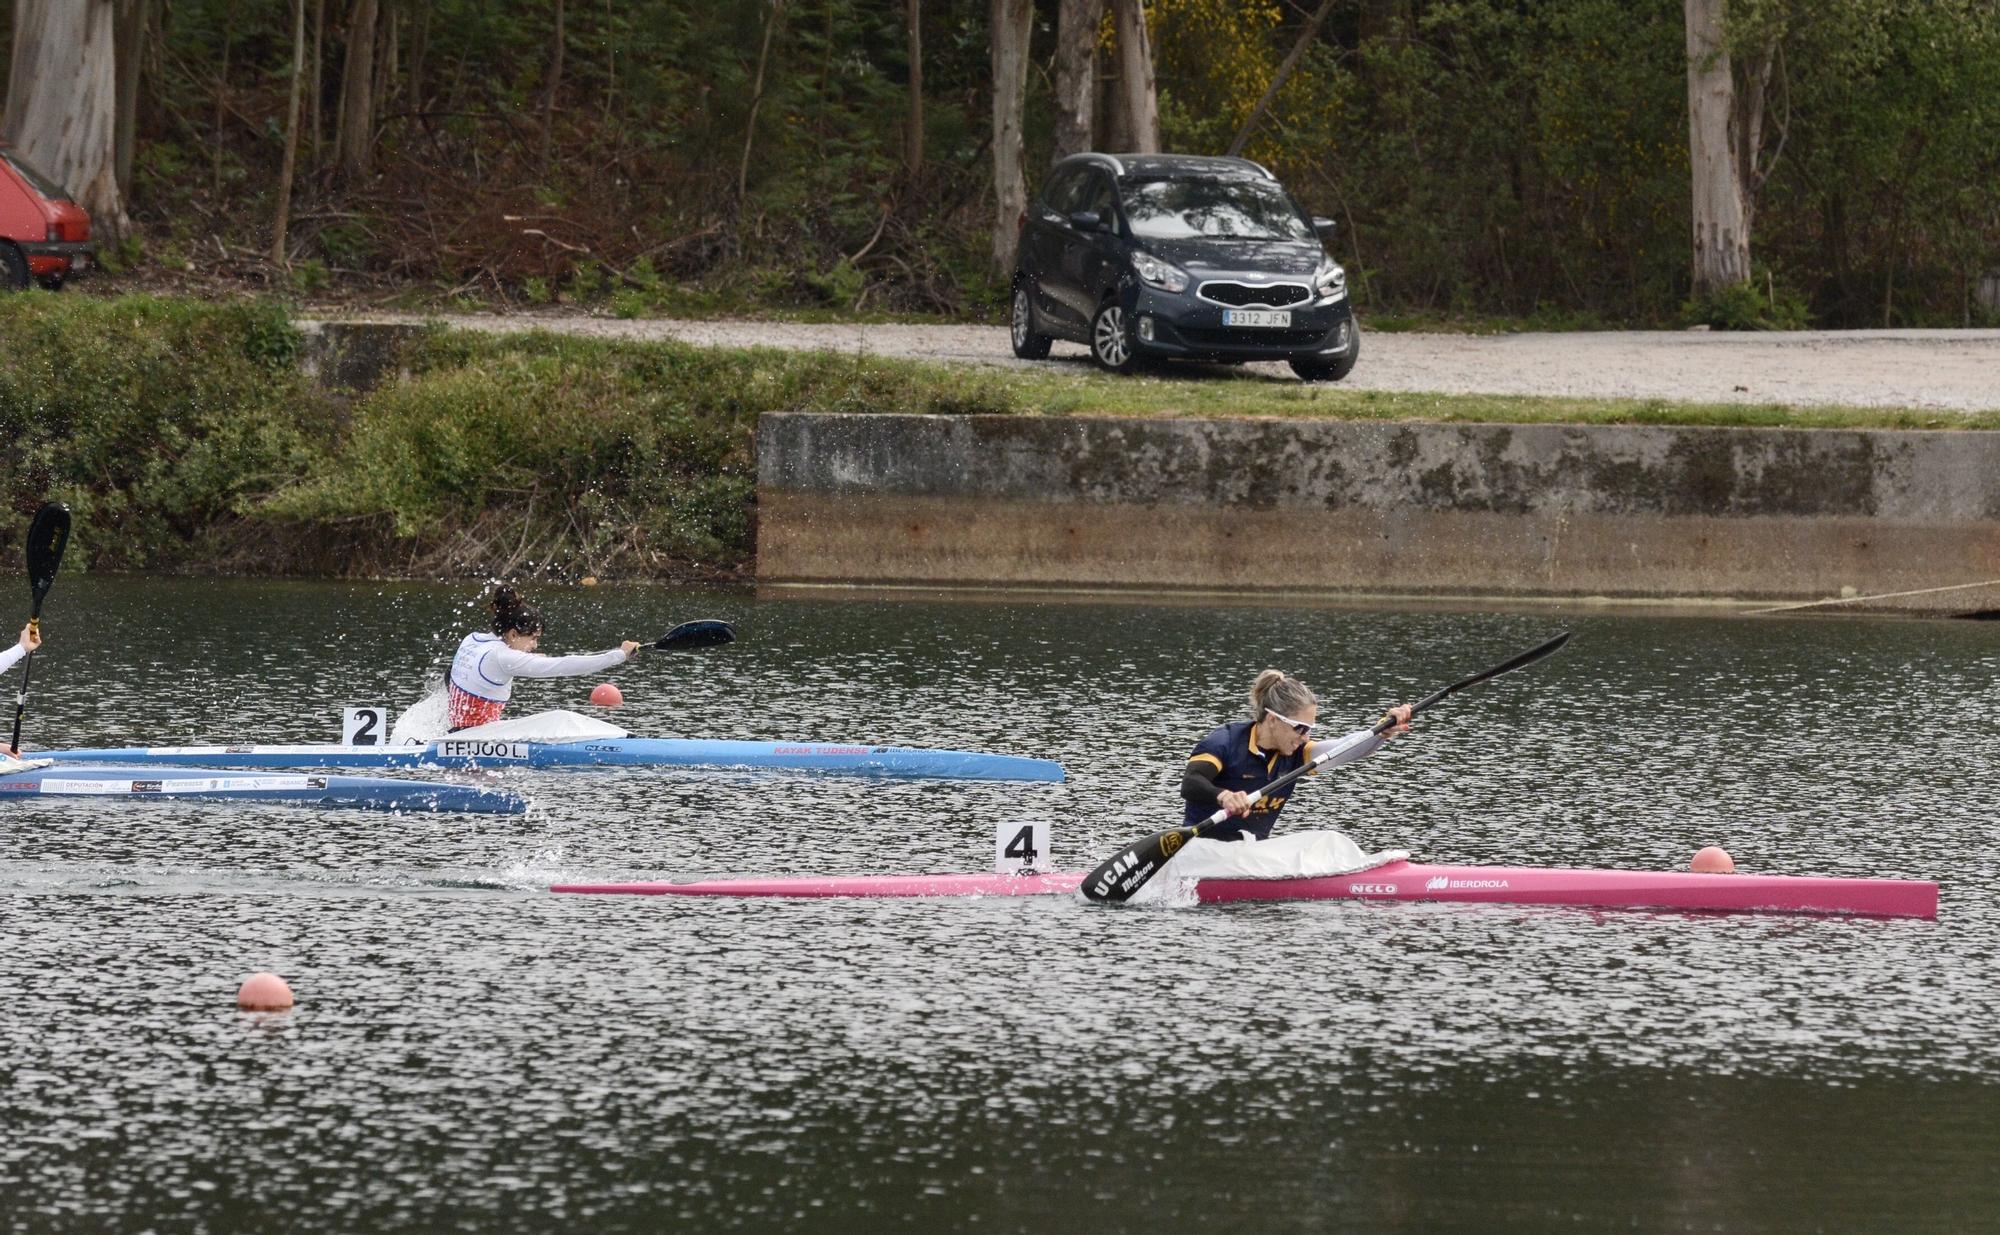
x,y
1085,220
1323,225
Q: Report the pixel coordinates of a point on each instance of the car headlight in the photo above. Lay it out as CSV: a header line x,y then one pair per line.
x,y
1330,280
1155,273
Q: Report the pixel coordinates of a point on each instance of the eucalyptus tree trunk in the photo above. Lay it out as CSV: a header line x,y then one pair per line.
x,y
1077,24
62,102
1721,198
913,137
135,19
1012,23
316,124
771,20
354,139
555,84
1135,77
284,218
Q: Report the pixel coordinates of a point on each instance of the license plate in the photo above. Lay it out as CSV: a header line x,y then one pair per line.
x,y
1269,318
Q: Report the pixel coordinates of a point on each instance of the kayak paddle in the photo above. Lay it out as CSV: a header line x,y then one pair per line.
x,y
707,632
48,535
1128,870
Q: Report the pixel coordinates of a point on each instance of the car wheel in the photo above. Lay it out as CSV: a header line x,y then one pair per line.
x,y
1333,370
1027,344
1111,340
13,269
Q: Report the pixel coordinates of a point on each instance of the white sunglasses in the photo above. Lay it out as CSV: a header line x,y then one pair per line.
x,y
1303,728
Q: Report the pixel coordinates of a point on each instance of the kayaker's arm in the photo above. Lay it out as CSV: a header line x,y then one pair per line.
x,y
536,665
1362,743
1198,786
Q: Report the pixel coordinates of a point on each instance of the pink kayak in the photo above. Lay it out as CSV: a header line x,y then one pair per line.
x,y
1397,881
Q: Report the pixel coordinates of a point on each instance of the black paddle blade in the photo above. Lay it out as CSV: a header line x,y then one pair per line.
x,y
1125,872
1525,659
700,634
48,536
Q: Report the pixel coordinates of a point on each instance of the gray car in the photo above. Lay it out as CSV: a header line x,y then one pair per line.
x,y
1164,256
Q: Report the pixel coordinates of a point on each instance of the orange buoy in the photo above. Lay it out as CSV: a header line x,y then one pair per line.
x,y
1713,860
264,992
606,695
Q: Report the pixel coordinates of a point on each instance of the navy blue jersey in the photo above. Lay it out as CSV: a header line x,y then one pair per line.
x,y
1230,757
1238,763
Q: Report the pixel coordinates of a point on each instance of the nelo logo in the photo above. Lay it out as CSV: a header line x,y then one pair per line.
x,y
1371,889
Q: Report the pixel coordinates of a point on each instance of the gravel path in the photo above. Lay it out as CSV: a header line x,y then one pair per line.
x,y
1952,370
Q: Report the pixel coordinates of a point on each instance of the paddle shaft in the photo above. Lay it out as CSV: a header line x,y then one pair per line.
x,y
1128,870
48,535
27,669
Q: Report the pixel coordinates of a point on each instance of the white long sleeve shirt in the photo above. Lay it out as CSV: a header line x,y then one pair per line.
x,y
486,667
12,656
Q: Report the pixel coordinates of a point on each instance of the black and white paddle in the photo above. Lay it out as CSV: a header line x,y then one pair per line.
x,y
1128,870
48,535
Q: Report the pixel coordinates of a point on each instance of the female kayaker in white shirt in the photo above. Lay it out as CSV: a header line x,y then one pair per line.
x,y
483,671
30,640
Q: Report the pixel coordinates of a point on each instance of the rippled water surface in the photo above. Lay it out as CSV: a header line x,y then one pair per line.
x,y
470,1052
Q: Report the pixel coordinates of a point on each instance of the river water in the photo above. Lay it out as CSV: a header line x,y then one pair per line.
x,y
470,1052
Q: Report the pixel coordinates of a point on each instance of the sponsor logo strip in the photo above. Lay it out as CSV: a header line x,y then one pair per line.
x,y
1444,883
206,784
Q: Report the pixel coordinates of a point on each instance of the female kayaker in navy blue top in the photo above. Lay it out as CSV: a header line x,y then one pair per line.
x,y
1241,757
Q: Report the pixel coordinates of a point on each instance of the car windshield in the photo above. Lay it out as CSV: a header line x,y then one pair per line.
x,y
1213,208
33,175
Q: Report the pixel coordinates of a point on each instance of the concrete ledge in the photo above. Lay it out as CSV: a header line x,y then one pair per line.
x,y
354,356
1348,508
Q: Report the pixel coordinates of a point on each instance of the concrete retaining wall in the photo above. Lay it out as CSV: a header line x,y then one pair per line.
x,y
354,356
1365,508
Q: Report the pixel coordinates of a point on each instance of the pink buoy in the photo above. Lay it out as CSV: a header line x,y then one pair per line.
x,y
606,695
264,992
1713,860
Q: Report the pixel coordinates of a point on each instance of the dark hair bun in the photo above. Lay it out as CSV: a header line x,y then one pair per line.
x,y
511,613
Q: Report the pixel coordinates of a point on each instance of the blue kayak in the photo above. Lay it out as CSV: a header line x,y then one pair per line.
x,y
460,752
97,783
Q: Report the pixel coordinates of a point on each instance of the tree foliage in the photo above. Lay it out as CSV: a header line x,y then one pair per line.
x,y
1519,157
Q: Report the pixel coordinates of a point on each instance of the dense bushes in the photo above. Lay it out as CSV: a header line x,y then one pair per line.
x,y
159,421
184,436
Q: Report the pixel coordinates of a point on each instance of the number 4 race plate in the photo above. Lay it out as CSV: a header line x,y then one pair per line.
x,y
1021,846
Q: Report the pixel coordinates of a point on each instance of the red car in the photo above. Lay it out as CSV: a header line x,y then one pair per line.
x,y
43,234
